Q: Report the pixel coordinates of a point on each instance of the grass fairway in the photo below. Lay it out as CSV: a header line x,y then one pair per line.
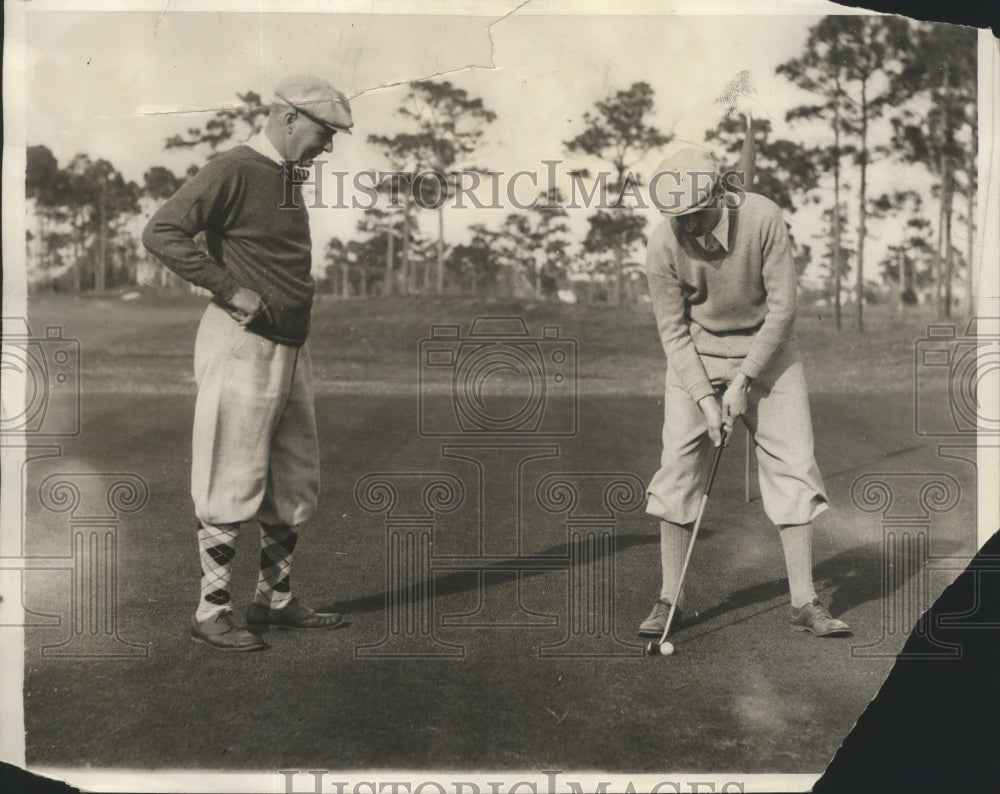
x,y
742,694
370,345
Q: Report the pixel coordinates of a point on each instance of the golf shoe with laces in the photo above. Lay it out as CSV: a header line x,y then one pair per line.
x,y
815,617
221,632
653,625
292,616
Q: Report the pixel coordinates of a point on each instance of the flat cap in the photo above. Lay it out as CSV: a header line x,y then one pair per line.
x,y
317,99
683,183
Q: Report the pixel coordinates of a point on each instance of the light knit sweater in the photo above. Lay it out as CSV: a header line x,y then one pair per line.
x,y
737,303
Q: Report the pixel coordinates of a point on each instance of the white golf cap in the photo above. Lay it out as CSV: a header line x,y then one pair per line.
x,y
683,183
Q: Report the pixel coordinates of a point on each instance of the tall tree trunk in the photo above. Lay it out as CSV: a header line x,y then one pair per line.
x,y
948,189
619,257
387,281
102,249
439,285
862,208
938,264
837,247
901,277
970,197
38,252
78,245
949,258
407,269
835,257
620,248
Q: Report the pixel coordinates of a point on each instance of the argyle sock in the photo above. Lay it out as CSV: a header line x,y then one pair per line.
x,y
277,544
674,540
216,550
796,541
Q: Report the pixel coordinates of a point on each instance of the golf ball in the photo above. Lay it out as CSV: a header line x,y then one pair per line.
x,y
666,648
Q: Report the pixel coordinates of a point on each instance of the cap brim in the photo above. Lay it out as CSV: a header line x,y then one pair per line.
x,y
322,122
313,117
689,210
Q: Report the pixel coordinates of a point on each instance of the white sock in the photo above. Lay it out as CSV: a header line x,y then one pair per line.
x,y
674,540
796,541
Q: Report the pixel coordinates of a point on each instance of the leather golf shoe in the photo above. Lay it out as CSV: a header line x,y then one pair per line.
x,y
221,632
292,616
816,618
653,625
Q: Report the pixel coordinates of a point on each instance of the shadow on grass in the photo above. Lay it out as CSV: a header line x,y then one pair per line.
x,y
855,577
854,574
461,581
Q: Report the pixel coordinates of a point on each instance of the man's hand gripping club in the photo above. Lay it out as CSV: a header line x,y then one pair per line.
x,y
734,404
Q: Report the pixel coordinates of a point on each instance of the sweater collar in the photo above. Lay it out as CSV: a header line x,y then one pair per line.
x,y
720,232
261,144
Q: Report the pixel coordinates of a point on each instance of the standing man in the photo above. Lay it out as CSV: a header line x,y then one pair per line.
x,y
723,286
255,454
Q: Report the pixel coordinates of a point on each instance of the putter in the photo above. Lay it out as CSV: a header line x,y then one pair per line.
x,y
661,647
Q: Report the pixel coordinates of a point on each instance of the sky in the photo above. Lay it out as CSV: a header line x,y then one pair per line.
x,y
116,84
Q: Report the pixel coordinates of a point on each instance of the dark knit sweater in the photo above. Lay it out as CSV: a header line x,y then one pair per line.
x,y
236,200
737,303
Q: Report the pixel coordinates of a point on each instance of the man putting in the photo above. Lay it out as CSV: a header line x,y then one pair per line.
x,y
723,284
255,454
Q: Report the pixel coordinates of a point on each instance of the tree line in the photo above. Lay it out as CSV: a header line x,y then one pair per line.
x,y
882,90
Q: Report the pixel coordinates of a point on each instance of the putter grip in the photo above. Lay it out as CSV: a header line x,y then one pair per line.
x,y
715,463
